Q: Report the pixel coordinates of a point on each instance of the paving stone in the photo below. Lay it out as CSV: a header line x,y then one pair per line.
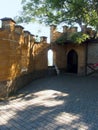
x,y
64,102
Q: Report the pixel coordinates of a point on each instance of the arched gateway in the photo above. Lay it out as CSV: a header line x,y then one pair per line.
x,y
72,62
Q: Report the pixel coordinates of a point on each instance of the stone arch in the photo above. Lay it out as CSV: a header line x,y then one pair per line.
x,y
72,61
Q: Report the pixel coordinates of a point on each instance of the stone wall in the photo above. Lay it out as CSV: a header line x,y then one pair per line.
x,y
61,55
81,53
21,58
92,53
61,51
92,57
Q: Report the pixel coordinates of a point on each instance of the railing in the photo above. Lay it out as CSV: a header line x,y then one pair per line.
x,y
53,70
57,70
93,67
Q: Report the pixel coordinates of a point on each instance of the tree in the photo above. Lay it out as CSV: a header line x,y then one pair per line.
x,y
60,11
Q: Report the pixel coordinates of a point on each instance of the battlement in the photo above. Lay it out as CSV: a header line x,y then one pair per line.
x,y
54,34
8,24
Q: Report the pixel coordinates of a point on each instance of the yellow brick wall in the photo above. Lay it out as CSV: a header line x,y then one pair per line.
x,y
20,55
40,56
10,56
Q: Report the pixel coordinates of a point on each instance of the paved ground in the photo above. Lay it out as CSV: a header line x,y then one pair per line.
x,y
64,102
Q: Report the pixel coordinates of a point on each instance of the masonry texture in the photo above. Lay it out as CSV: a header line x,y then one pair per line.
x,y
22,59
87,53
64,102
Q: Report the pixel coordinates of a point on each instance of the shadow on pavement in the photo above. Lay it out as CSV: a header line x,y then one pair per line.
x,y
64,102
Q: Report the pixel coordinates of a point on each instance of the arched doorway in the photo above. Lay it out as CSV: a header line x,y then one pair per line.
x,y
72,62
50,58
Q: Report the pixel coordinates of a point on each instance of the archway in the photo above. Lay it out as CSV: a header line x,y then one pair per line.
x,y
72,62
50,58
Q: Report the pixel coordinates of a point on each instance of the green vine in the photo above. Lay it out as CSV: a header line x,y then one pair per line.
x,y
79,37
75,38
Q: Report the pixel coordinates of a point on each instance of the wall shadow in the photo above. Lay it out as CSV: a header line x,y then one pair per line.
x,y
72,104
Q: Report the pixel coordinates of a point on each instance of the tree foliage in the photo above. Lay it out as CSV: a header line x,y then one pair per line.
x,y
74,38
60,11
79,37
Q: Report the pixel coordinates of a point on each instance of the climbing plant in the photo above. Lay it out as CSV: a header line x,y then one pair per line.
x,y
74,38
79,37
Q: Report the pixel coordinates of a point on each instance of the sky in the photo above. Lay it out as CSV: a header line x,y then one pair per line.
x,y
11,8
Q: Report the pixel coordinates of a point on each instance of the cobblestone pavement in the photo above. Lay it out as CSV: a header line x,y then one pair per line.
x,y
65,102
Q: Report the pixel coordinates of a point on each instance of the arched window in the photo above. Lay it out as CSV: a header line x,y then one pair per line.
x,y
50,57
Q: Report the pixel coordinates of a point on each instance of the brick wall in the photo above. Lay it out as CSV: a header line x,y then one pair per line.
x,y
92,57
81,53
61,55
93,53
21,58
85,56
61,51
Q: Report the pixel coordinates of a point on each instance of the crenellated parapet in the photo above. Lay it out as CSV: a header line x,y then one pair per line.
x,y
16,49
10,26
54,34
68,32
20,56
19,29
43,39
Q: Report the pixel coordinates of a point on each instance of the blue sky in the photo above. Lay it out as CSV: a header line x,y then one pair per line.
x,y
11,8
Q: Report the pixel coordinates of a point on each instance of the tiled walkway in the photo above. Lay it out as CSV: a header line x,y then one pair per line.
x,y
64,102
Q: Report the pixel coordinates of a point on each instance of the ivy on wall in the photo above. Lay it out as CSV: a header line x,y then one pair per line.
x,y
75,38
79,37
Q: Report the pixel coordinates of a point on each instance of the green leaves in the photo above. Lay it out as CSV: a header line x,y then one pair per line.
x,y
79,37
73,38
60,11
